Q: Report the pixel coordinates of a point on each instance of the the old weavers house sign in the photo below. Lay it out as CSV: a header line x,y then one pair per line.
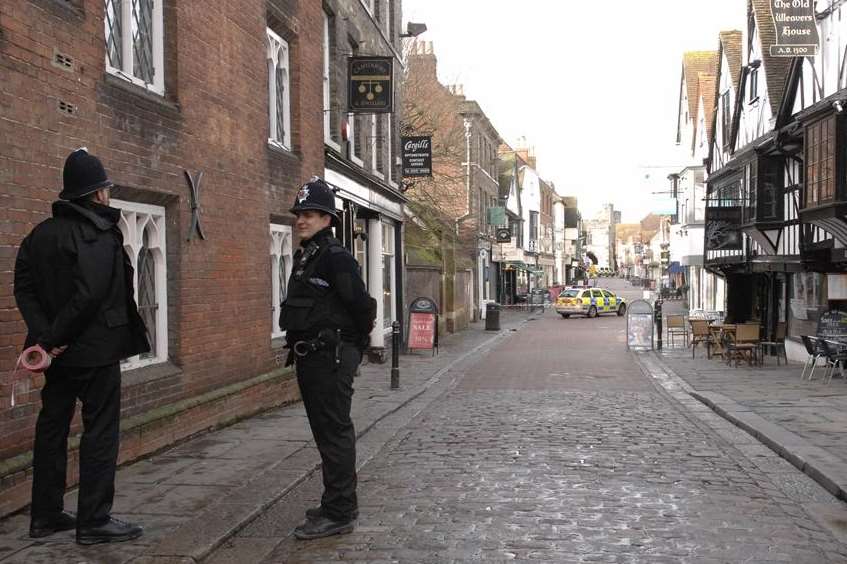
x,y
371,89
796,30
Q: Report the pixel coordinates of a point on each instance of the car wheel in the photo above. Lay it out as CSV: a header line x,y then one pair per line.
x,y
565,315
592,312
622,310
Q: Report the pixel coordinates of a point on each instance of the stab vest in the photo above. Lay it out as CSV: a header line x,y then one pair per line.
x,y
310,306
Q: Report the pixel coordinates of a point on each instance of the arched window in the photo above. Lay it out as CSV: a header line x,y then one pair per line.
x,y
143,230
280,271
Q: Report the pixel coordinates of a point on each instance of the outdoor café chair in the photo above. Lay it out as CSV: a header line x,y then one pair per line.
x,y
814,351
700,334
835,355
744,345
776,345
676,326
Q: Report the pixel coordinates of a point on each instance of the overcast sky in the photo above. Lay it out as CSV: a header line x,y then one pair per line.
x,y
592,85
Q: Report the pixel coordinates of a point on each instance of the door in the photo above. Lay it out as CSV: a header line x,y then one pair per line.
x,y
599,300
611,301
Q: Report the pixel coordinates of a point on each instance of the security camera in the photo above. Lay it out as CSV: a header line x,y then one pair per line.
x,y
837,106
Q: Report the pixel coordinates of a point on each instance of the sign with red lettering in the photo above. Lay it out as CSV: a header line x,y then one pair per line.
x,y
421,330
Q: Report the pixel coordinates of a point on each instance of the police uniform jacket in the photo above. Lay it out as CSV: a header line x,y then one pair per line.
x,y
326,291
74,286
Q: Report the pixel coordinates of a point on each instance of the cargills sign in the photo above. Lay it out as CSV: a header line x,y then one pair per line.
x,y
370,84
417,155
796,30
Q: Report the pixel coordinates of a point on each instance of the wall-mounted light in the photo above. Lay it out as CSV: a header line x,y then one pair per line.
x,y
837,106
414,29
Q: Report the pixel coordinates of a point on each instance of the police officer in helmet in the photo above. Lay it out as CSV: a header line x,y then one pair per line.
x,y
328,316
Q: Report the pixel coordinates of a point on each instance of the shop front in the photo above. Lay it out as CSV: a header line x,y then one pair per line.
x,y
372,229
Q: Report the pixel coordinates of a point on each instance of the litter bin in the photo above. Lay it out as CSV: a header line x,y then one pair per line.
x,y
492,316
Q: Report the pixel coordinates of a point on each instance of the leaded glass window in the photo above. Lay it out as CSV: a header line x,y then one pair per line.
x,y
279,97
281,260
143,230
134,42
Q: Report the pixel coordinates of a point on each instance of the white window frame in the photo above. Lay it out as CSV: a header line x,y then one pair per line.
x,y
281,245
135,218
126,73
388,250
278,59
327,86
388,164
351,138
375,147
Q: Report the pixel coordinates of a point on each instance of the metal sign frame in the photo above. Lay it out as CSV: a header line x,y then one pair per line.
x,y
370,88
632,311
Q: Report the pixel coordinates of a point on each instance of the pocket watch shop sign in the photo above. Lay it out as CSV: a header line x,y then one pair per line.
x,y
370,85
417,156
796,30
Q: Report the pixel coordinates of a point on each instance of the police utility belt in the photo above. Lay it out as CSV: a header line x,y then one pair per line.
x,y
326,339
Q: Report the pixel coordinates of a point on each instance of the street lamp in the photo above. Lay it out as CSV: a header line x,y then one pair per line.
x,y
413,29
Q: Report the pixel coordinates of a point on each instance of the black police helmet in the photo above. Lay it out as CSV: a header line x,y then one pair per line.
x,y
316,195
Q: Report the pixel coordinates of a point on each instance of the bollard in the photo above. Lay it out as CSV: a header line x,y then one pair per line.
x,y
658,315
395,355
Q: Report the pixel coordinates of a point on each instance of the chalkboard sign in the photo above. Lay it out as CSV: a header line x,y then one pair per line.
x,y
423,325
832,324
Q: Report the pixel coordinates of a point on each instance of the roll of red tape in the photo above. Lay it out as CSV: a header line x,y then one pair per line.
x,y
35,359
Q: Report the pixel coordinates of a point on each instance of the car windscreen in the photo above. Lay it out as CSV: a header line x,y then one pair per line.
x,y
569,293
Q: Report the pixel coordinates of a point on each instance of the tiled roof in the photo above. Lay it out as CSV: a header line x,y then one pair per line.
x,y
707,92
775,68
694,63
731,46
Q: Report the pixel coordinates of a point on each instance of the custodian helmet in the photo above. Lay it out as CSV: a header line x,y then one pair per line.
x,y
315,195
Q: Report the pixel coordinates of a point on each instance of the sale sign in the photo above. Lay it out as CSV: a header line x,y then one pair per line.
x,y
421,330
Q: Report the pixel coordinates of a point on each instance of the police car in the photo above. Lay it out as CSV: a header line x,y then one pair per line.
x,y
589,302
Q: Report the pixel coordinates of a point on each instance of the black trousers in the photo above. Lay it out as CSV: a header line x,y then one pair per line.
x,y
99,390
327,391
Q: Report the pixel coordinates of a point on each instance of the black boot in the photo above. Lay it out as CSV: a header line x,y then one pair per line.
x,y
110,531
314,512
45,526
323,527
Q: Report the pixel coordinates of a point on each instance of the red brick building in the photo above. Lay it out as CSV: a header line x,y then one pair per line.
x,y
227,95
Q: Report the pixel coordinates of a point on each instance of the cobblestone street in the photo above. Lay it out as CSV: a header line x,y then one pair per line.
x,y
564,460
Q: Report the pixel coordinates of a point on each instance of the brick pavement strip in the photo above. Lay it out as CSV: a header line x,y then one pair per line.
x,y
193,497
771,404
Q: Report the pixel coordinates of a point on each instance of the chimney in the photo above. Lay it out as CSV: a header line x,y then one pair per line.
x,y
526,152
422,60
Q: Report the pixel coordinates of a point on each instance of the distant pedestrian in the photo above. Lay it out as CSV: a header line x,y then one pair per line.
x,y
74,289
328,316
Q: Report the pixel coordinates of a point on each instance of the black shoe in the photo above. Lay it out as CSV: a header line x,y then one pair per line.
x,y
315,512
110,531
323,527
43,527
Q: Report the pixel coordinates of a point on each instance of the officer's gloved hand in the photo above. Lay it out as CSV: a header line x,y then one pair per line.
x,y
363,343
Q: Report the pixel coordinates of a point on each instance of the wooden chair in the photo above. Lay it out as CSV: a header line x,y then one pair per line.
x,y
676,326
776,345
700,334
744,345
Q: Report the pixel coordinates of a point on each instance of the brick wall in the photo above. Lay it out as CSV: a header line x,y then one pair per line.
x,y
212,118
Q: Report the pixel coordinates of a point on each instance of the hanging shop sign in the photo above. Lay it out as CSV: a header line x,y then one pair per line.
x,y
370,84
417,155
503,235
796,29
722,231
423,325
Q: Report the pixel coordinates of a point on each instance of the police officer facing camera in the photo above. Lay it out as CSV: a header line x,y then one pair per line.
x,y
328,316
